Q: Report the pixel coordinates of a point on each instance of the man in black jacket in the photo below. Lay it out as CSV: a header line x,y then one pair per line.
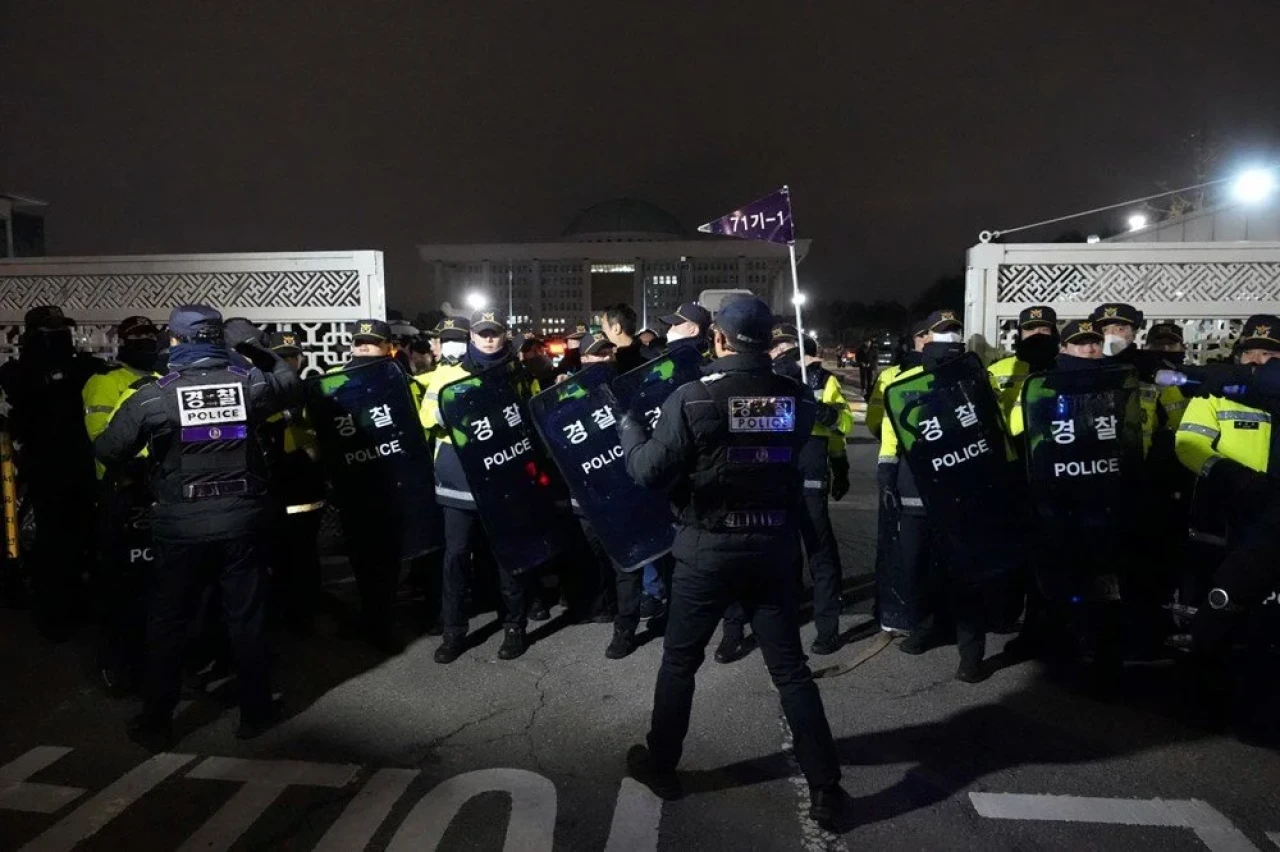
x,y
618,322
211,510
726,448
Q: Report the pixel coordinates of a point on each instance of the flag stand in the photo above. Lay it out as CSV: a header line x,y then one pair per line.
x,y
795,300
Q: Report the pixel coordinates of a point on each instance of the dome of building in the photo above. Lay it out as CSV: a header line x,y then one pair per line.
x,y
624,219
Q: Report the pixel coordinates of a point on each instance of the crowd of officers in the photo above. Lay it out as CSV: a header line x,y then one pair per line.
x,y
196,446
1207,463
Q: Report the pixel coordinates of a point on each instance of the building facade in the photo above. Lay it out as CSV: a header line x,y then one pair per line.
x,y
618,251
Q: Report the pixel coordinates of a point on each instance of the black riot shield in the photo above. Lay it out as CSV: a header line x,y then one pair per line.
x,y
376,454
641,392
951,435
1084,465
517,495
576,421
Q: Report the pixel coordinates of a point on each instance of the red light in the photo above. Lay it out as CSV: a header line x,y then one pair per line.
x,y
530,469
544,480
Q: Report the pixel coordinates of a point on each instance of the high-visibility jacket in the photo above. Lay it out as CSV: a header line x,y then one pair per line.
x,y
1214,427
1162,408
1007,376
835,435
875,405
906,484
103,394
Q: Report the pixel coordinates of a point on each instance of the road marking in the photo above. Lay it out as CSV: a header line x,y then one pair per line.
x,y
1274,837
636,819
813,837
1213,829
264,781
366,811
18,794
91,816
531,827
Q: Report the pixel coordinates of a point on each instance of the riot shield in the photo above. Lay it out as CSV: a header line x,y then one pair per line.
x,y
376,454
517,495
576,422
1084,465
951,436
641,392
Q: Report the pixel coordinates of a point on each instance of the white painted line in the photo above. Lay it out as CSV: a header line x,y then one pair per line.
x,y
91,816
17,794
366,811
1213,829
533,810
1274,837
636,819
813,837
264,781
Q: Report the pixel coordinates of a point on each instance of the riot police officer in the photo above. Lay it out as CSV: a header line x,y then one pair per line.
x,y
1035,350
211,511
727,448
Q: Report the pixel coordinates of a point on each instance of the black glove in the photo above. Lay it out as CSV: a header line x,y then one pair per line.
x,y
839,477
889,499
1239,485
239,333
827,415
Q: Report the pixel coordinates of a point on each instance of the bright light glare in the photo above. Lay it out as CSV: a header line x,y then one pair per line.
x,y
798,299
1254,185
1137,222
476,301
1093,238
813,334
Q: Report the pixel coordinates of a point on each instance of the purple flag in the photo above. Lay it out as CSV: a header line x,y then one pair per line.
x,y
767,218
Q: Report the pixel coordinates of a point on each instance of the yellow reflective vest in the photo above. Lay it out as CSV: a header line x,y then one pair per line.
x,y
888,437
1007,376
1214,427
875,405
835,435
102,395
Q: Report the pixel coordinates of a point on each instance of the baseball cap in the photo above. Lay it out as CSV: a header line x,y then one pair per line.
x,y
1166,330
488,321
785,333
920,326
284,343
1037,315
370,331
747,323
133,326
580,330
1261,331
943,321
195,321
689,312
1081,331
1116,312
595,344
46,316
453,329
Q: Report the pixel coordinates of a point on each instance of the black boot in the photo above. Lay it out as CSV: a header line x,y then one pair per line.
x,y
451,647
513,644
663,781
732,647
919,642
827,806
824,645
624,642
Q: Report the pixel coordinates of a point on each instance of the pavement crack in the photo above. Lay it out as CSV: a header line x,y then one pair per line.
x,y
434,744
533,718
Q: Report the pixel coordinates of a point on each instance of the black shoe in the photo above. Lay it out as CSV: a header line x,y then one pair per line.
x,y
255,727
733,647
513,644
539,612
828,806
824,645
624,642
651,607
450,649
664,782
918,642
971,671
153,735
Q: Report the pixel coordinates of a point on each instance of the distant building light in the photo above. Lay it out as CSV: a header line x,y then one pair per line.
x,y
607,268
1093,238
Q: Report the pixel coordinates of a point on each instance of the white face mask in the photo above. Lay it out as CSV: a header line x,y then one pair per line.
x,y
675,333
453,349
1114,344
945,337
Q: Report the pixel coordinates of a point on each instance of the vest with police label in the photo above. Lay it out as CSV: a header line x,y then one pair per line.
x,y
746,477
214,452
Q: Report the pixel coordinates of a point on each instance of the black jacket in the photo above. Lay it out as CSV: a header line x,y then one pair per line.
x,y
633,355
150,419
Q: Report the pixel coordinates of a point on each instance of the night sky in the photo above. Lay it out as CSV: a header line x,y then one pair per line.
x,y
902,128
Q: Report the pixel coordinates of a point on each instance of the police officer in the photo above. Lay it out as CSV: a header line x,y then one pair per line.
x,y
1035,350
572,358
727,447
688,326
298,481
486,348
43,387
211,511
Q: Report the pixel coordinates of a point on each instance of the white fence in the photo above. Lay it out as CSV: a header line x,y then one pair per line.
x,y
1207,288
314,294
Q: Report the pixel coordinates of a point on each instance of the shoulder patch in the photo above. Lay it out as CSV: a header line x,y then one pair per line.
x,y
239,371
714,377
166,380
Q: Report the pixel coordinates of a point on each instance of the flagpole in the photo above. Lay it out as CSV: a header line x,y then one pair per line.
x,y
795,300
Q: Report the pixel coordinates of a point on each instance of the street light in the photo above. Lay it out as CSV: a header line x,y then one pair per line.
x,y
1254,186
477,301
798,299
1137,222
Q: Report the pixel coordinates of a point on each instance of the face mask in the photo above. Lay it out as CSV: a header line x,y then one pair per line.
x,y
453,349
1114,344
946,337
674,334
1038,350
139,354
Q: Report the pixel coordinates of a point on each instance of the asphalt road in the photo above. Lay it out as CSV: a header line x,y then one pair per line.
x,y
402,753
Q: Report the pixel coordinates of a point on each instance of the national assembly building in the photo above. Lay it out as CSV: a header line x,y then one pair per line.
x,y
618,251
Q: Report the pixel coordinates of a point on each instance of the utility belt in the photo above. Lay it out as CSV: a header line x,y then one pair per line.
x,y
747,520
219,488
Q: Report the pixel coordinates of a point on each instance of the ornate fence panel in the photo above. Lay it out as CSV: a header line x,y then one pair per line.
x,y
1207,288
312,293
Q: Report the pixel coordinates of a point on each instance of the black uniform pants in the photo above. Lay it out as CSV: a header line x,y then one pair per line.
x,y
819,539
464,535
64,534
945,597
183,572
125,562
755,570
296,559
375,561
627,585
912,566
